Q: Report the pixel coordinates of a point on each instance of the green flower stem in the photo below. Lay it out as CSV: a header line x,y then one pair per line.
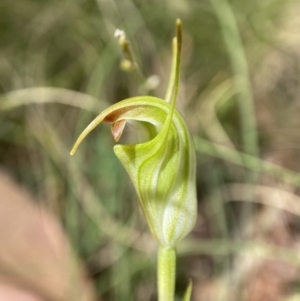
x,y
166,271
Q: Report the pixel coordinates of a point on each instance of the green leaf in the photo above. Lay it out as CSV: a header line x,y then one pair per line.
x,y
188,292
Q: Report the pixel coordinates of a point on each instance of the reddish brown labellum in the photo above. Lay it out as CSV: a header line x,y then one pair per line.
x,y
117,129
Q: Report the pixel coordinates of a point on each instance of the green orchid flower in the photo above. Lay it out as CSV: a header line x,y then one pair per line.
x,y
163,168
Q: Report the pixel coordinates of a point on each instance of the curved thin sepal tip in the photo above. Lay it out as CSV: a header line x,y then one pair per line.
x,y
178,28
178,23
89,128
73,150
188,291
78,141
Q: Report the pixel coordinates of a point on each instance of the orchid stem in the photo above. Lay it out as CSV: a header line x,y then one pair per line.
x,y
166,272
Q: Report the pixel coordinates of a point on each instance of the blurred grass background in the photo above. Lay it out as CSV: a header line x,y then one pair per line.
x,y
60,66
